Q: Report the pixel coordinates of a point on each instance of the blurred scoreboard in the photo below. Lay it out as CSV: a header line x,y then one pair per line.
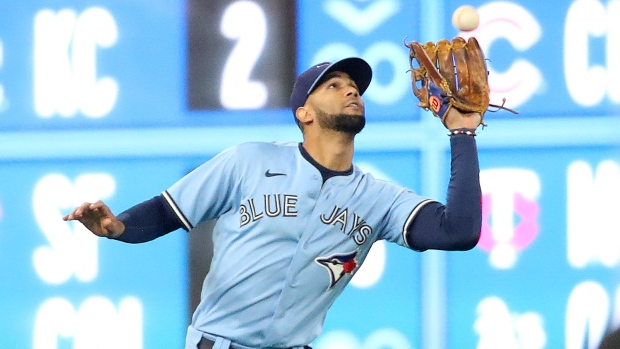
x,y
116,100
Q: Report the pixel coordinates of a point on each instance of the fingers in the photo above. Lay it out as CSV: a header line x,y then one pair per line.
x,y
478,68
446,62
462,68
98,218
88,209
425,61
97,205
431,51
77,212
101,209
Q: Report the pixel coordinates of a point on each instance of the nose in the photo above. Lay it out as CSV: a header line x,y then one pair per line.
x,y
353,91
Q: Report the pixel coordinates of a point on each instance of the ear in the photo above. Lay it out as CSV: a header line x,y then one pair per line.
x,y
304,114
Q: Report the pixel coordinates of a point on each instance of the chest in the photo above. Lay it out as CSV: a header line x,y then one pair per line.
x,y
341,211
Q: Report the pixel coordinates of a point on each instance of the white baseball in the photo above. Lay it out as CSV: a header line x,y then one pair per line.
x,y
465,18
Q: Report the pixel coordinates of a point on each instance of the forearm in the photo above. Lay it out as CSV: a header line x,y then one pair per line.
x,y
455,225
147,221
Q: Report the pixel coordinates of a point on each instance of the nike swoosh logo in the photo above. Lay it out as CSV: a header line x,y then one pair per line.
x,y
273,174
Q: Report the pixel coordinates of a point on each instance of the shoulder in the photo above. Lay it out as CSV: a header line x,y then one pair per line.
x,y
264,146
380,185
247,148
375,178
252,151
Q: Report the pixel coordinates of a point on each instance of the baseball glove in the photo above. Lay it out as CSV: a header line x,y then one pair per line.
x,y
451,75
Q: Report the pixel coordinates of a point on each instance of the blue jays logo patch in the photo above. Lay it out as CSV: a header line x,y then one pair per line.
x,y
338,265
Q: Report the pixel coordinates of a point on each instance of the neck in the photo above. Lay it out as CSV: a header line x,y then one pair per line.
x,y
334,151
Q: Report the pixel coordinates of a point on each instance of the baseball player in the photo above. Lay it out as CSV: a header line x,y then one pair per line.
x,y
295,221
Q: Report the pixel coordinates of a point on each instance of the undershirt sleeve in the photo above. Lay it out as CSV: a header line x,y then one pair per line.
x,y
148,220
456,225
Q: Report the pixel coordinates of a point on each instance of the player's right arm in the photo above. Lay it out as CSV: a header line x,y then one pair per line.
x,y
143,222
205,193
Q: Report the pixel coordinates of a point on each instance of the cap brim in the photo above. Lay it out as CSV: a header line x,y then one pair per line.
x,y
358,69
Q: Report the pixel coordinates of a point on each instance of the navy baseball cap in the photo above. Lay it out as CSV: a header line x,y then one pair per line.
x,y
307,81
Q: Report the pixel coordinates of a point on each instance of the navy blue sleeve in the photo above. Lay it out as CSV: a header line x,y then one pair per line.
x,y
456,225
148,220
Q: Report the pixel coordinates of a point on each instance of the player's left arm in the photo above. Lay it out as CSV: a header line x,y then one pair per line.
x,y
457,224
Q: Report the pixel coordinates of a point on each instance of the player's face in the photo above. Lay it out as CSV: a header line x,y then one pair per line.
x,y
337,104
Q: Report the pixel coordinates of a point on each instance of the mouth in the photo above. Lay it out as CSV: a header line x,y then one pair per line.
x,y
354,105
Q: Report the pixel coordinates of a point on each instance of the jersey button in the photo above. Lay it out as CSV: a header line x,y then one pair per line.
x,y
312,194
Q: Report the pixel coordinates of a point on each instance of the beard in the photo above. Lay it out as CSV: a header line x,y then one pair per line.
x,y
347,123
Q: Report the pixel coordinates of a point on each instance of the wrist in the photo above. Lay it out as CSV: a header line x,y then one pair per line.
x,y
456,119
117,229
462,131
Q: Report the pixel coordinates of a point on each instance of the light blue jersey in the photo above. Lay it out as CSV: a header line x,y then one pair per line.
x,y
285,244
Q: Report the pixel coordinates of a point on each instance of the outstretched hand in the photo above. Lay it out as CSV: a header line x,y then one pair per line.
x,y
97,218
